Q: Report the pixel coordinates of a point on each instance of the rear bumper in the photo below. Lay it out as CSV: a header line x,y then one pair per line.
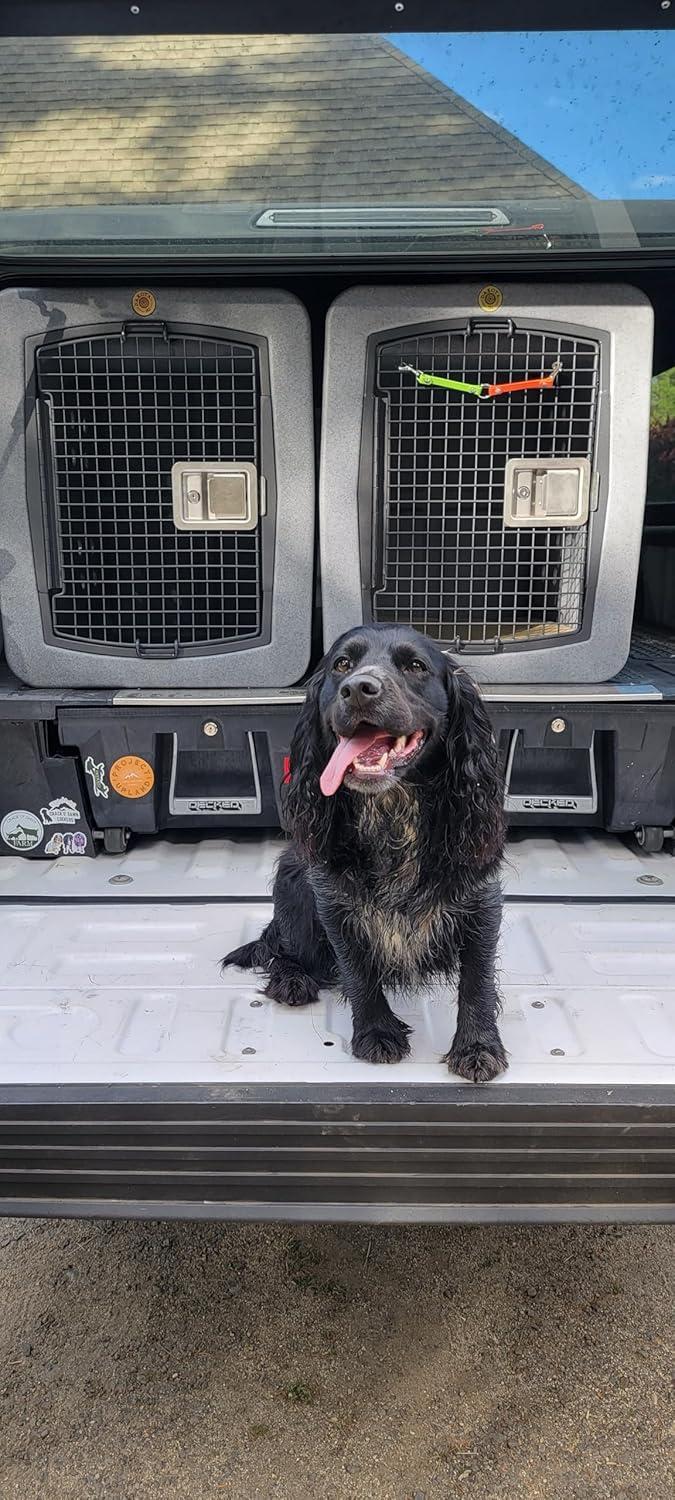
x,y
369,1154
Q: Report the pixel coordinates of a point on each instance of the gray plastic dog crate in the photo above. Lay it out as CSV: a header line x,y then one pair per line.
x,y
506,525
158,493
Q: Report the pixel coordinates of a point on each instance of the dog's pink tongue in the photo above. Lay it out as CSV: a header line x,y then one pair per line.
x,y
345,752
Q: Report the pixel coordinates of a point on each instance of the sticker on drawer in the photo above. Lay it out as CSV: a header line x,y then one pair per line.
x,y
131,776
96,770
66,843
60,810
22,830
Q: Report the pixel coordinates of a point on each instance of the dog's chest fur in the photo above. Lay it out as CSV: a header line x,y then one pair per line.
x,y
392,900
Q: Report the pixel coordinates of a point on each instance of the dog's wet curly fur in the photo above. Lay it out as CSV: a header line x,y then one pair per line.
x,y
392,880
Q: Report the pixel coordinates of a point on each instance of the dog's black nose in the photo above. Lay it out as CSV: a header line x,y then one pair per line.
x,y
361,687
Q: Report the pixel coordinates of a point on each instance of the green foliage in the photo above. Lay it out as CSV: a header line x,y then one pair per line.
x,y
300,1392
661,471
663,398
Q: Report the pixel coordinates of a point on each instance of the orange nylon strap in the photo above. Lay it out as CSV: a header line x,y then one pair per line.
x,y
544,383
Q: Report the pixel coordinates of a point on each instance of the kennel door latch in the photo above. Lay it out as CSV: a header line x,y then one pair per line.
x,y
215,497
547,492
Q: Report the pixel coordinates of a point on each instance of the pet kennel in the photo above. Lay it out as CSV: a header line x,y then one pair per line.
x,y
164,488
483,471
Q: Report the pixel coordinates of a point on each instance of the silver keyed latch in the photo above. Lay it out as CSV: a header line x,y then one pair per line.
x,y
215,497
547,491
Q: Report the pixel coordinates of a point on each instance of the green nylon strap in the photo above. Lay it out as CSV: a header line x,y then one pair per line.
x,y
447,385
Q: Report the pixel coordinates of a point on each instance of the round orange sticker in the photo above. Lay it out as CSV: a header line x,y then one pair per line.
x,y
131,777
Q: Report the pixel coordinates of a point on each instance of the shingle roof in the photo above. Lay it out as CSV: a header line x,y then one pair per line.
x,y
351,119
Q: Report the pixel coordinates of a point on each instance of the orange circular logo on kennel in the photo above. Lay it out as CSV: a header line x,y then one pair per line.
x,y
144,303
130,776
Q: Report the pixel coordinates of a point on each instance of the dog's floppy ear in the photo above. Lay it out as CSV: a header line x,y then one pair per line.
x,y
474,782
308,814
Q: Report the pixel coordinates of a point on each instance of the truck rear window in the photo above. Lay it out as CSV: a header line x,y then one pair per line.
x,y
324,143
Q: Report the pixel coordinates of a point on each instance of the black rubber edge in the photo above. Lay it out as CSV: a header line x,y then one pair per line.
x,y
110,17
363,1154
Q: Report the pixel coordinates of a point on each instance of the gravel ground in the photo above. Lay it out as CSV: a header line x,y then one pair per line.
x,y
184,1362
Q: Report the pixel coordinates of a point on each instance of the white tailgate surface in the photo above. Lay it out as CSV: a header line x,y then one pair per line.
x,y
125,992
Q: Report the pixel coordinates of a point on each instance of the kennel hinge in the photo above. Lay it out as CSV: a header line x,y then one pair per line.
x,y
494,325
157,329
478,648
157,653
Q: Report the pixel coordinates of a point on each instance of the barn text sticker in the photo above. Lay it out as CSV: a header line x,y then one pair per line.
x,y
22,830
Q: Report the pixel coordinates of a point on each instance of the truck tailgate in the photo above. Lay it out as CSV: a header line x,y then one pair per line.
x,y
134,1079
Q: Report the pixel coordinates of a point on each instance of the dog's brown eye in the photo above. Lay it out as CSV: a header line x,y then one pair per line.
x,y
342,664
418,666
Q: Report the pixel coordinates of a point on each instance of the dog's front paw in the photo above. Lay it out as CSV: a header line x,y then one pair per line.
x,y
385,1043
479,1062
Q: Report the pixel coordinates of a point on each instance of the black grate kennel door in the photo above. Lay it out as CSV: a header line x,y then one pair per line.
x,y
444,560
121,408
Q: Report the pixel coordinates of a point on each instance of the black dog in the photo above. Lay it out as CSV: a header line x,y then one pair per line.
x,y
395,807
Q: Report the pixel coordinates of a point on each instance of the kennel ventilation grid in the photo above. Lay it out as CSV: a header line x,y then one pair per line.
x,y
483,473
164,490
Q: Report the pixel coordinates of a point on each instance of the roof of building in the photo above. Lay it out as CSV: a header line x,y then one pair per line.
x,y
304,119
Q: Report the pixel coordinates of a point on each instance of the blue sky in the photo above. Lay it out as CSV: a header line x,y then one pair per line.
x,y
600,105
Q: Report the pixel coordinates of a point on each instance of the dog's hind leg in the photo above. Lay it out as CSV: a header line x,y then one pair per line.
x,y
293,950
256,955
303,959
289,984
